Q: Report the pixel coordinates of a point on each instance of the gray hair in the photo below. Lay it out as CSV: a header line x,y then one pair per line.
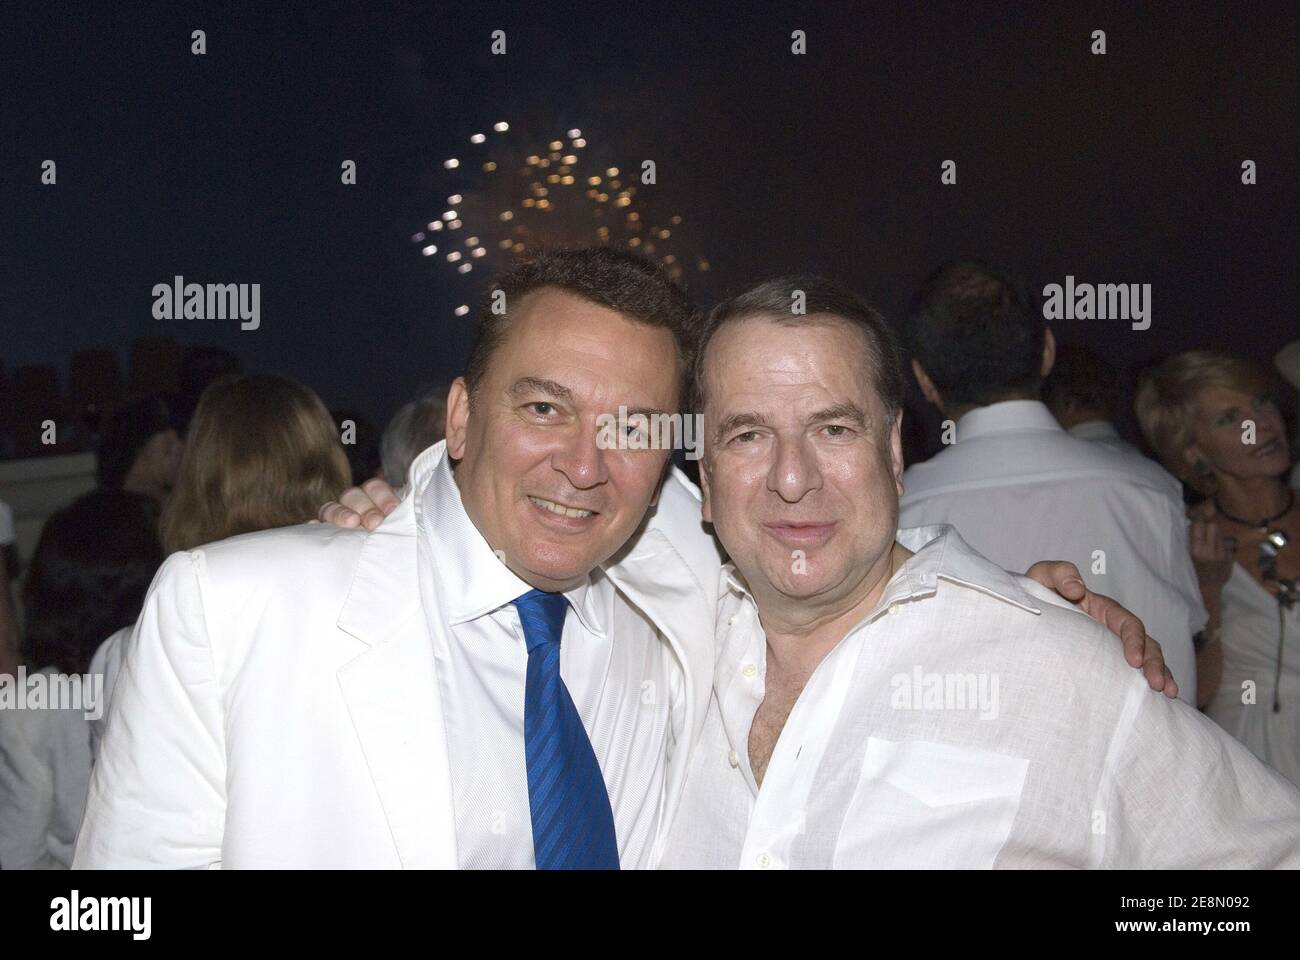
x,y
415,427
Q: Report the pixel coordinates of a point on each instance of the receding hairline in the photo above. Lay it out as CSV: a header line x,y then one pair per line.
x,y
821,318
511,319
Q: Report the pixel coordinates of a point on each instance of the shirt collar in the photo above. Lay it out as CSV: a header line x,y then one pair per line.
x,y
475,581
1095,430
938,552
1009,416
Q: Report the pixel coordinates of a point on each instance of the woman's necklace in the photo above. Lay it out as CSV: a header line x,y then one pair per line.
x,y
1263,524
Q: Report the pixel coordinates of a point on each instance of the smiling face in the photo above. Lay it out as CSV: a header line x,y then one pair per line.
x,y
1219,434
802,470
531,475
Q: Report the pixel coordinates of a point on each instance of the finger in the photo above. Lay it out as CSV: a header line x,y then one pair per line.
x,y
1119,621
1063,577
1153,666
357,500
1134,637
371,519
1171,685
339,515
382,495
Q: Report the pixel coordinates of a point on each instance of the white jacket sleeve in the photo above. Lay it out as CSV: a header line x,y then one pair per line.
x,y
157,794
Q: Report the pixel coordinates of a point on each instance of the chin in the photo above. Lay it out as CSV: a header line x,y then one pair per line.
x,y
561,565
799,585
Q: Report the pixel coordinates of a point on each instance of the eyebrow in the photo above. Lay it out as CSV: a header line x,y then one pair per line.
x,y
840,411
736,421
532,385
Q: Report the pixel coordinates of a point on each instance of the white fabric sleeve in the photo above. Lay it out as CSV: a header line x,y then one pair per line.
x,y
157,794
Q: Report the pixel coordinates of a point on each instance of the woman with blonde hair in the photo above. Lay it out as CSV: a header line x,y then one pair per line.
x,y
261,451
1214,421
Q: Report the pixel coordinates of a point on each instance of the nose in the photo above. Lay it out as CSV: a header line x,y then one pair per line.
x,y
580,458
794,470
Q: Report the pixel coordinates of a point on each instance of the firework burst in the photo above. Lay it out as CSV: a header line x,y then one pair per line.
x,y
509,195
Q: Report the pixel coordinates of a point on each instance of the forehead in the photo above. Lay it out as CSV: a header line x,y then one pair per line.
x,y
821,356
559,335
1217,396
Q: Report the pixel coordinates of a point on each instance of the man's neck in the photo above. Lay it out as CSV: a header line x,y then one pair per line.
x,y
799,636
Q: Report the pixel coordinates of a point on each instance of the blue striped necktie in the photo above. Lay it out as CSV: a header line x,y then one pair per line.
x,y
573,825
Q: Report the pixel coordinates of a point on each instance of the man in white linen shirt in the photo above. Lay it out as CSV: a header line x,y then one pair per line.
x,y
1016,485
900,701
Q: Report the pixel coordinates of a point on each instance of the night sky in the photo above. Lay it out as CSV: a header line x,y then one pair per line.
x,y
225,167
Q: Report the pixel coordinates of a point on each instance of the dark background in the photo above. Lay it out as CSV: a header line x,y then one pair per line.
x,y
225,167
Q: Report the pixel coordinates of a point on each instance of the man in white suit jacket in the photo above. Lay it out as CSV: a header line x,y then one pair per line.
x,y
316,697
278,705
320,697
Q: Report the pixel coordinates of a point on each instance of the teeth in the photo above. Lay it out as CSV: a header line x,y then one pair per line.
x,y
560,509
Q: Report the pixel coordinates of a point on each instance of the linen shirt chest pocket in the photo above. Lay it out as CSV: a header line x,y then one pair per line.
x,y
922,805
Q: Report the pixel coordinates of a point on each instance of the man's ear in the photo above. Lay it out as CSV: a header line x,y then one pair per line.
x,y
1049,352
457,418
928,389
706,508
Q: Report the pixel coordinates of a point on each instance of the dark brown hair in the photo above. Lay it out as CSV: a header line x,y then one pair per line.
x,y
622,281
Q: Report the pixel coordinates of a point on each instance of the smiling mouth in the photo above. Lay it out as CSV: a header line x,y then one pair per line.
x,y
573,513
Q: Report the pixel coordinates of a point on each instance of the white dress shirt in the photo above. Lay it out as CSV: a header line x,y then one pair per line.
x,y
614,664
1103,432
1020,489
971,720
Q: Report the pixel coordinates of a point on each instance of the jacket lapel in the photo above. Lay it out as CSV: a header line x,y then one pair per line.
x,y
392,690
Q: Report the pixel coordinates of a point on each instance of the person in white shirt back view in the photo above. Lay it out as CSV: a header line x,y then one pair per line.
x,y
888,697
1016,485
